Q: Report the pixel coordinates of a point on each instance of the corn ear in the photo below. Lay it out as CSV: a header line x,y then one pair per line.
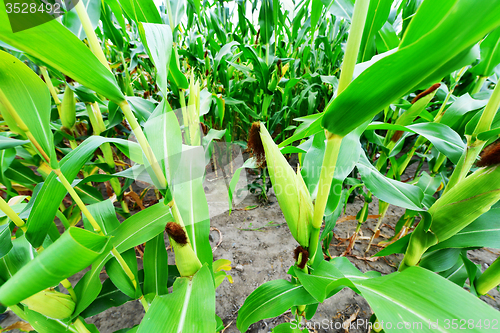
x,y
489,279
51,303
465,202
291,191
68,109
185,259
455,210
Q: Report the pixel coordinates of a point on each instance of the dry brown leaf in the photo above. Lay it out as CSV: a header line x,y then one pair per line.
x,y
348,322
20,325
353,218
135,197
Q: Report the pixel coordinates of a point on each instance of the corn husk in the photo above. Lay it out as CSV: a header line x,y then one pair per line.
x,y
465,202
291,191
186,260
489,279
51,303
455,210
68,109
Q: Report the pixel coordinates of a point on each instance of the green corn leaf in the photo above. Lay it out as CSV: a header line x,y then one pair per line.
x,y
340,8
389,190
43,324
5,240
458,273
428,184
189,308
316,9
52,192
117,12
483,232
386,38
465,202
74,251
310,125
270,300
104,214
6,143
413,64
490,54
178,12
266,20
137,229
224,53
312,161
424,298
109,29
58,47
325,282
488,135
72,21
178,79
398,246
89,195
20,254
461,106
473,272
446,140
440,260
427,17
242,20
377,15
216,24
155,267
7,156
21,174
164,135
110,296
141,107
22,92
120,278
415,296
11,122
189,195
261,70
141,11
249,164
157,39
415,110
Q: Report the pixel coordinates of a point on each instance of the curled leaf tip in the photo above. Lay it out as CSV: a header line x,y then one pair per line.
x,y
490,155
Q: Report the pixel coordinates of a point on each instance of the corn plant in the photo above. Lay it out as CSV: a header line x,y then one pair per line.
x,y
466,198
113,92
